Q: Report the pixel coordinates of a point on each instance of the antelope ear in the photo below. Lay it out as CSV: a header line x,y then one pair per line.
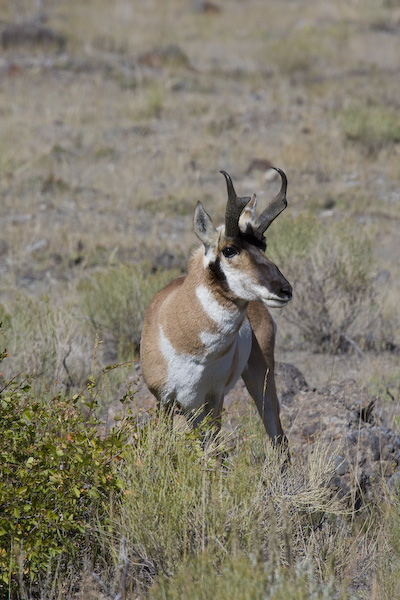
x,y
248,215
203,227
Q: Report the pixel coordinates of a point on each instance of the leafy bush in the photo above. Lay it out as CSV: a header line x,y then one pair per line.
x,y
334,297
115,302
57,476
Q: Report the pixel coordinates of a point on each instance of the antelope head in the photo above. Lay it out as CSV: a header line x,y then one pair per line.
x,y
234,254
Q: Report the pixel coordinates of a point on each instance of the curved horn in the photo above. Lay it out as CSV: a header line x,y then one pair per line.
x,y
277,205
234,208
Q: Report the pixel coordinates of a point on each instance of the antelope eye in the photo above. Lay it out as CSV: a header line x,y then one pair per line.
x,y
230,252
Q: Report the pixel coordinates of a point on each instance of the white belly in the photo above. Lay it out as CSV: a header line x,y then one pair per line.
x,y
191,378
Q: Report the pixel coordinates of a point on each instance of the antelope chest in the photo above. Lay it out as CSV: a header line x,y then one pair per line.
x,y
190,377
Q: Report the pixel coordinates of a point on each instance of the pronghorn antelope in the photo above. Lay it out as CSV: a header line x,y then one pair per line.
x,y
203,331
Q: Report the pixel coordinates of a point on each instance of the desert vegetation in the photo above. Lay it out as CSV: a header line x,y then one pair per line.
x,y
115,118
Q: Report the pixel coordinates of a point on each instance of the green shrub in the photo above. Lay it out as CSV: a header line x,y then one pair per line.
x,y
57,476
292,239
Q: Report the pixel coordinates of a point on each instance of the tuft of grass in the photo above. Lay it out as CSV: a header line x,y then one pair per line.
x,y
180,508
178,503
173,204
45,338
374,127
301,54
388,572
332,276
115,302
241,577
152,99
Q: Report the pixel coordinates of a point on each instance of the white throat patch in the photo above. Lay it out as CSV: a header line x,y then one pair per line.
x,y
226,320
213,309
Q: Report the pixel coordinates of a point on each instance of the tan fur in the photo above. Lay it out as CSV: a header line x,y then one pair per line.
x,y
259,375
263,329
154,366
203,331
183,328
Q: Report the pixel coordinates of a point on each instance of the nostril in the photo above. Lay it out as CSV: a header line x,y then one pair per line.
x,y
287,291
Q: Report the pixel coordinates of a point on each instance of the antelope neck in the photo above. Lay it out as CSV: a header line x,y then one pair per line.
x,y
225,313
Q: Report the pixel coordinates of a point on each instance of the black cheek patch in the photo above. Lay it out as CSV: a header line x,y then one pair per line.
x,y
218,274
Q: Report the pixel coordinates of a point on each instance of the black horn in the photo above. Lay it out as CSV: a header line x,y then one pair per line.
x,y
234,208
277,205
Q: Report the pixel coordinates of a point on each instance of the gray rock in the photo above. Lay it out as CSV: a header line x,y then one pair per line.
x,y
364,449
290,381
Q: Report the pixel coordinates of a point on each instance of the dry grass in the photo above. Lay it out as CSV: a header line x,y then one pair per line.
x,y
186,526
180,509
337,299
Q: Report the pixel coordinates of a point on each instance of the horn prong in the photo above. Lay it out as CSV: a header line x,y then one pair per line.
x,y
277,205
234,208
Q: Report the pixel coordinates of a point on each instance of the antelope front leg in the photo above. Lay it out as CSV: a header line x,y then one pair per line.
x,y
260,382
212,408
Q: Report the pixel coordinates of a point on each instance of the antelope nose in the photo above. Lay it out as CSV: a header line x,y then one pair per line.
x,y
286,290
